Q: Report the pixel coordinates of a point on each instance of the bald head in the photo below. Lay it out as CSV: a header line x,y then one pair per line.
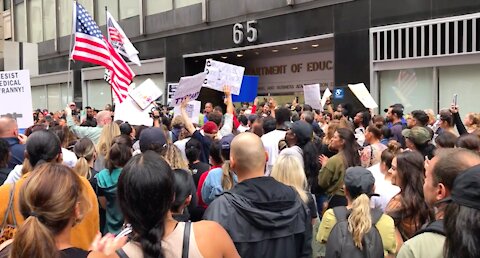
x,y
8,127
104,117
247,156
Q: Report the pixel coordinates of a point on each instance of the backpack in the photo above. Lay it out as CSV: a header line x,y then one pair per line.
x,y
434,227
340,241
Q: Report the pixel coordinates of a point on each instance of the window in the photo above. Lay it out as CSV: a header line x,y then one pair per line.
x,y
20,21
98,94
35,27
412,87
49,19
100,10
67,94
88,5
39,97
65,20
54,97
129,8
182,3
155,6
463,80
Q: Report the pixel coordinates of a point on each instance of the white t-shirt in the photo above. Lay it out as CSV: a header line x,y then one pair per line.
x,y
382,187
242,128
181,145
270,143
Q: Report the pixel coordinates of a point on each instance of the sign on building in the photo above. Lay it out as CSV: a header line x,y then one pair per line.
x,y
16,97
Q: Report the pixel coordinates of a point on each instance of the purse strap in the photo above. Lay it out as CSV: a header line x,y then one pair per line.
x,y
10,208
186,239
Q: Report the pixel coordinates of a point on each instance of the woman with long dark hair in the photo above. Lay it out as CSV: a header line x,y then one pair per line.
x,y
333,169
408,208
155,233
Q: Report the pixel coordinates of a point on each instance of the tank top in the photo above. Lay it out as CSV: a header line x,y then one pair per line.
x,y
171,245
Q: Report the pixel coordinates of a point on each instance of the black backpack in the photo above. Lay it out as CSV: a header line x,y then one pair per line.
x,y
340,241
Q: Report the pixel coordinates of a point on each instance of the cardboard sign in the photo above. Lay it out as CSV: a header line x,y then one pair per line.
x,y
312,95
129,111
193,111
325,96
145,93
16,97
362,93
248,91
188,86
220,74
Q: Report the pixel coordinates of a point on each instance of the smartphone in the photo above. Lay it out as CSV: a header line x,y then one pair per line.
x,y
455,98
296,99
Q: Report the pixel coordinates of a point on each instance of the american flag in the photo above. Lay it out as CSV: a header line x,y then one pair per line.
x,y
92,47
114,34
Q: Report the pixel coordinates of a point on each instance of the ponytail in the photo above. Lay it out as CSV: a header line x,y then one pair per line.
x,y
82,168
360,220
151,240
227,177
34,239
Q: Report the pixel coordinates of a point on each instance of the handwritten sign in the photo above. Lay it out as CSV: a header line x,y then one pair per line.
x,y
362,93
325,96
312,95
188,86
220,74
129,111
145,93
193,111
16,97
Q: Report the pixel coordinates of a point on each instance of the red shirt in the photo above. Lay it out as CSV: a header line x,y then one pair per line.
x,y
201,203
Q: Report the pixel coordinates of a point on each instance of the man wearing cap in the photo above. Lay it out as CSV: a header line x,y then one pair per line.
x,y
440,173
358,182
297,136
418,138
394,116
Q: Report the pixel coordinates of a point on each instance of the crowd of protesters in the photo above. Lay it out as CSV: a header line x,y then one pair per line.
x,y
259,180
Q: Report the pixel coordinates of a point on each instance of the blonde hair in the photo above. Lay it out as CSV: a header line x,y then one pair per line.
x,y
360,220
109,131
332,127
85,150
227,177
288,170
174,158
49,208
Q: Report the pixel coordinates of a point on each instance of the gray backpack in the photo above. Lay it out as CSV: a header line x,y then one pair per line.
x,y
340,241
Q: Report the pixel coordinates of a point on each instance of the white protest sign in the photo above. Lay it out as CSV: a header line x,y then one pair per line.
x,y
145,93
171,88
326,94
16,97
130,112
193,111
188,86
312,95
220,74
362,93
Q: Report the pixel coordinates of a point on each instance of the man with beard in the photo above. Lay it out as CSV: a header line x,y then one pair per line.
x,y
90,121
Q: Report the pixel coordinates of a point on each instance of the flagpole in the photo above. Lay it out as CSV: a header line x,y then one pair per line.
x,y
69,74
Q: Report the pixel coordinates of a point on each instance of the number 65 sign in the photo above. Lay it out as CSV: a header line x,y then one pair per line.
x,y
251,32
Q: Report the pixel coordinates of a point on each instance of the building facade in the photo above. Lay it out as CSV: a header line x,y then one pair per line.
x,y
417,52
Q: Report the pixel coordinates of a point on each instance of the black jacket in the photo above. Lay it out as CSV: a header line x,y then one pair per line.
x,y
264,218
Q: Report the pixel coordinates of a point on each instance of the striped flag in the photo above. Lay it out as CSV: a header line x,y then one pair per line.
x,y
120,41
92,47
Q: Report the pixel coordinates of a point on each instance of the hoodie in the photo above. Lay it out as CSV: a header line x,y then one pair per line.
x,y
107,182
17,152
264,218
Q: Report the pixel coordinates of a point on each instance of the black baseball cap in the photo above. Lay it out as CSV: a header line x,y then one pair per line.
x,y
359,180
152,135
302,130
465,190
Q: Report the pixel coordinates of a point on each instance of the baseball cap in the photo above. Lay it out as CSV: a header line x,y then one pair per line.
x,y
394,106
465,188
302,130
152,135
226,141
359,180
210,127
418,134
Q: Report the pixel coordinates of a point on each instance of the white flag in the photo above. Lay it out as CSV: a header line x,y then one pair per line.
x,y
119,40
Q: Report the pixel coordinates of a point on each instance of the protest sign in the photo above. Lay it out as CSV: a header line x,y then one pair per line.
x,y
188,86
171,88
312,95
325,96
362,93
248,91
193,111
220,74
130,112
16,97
145,93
